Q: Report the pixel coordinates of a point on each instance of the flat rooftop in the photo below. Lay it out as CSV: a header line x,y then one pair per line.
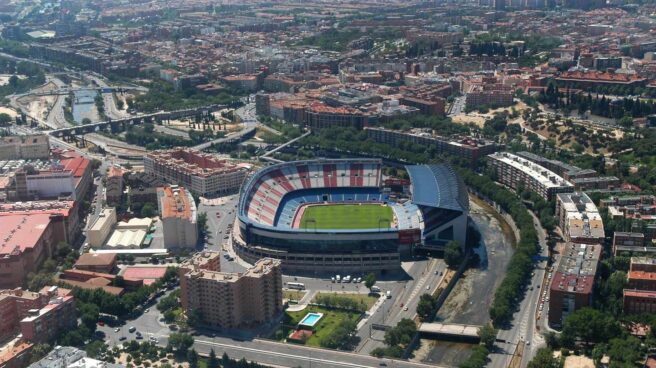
x,y
577,268
582,216
20,232
547,178
193,162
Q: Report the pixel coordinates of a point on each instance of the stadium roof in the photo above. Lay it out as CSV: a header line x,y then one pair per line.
x,y
437,186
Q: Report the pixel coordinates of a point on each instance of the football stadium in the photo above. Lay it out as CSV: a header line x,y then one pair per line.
x,y
343,216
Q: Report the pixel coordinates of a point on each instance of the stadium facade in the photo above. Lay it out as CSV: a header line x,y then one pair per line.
x,y
430,212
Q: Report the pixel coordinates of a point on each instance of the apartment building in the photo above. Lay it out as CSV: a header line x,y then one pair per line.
x,y
99,231
58,315
516,172
203,174
179,217
639,301
321,116
24,147
230,300
573,281
467,148
628,242
114,185
640,292
39,316
14,306
579,218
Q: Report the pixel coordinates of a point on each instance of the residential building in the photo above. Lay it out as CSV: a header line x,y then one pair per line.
x,y
98,232
230,300
645,264
467,148
516,173
641,280
96,262
488,93
58,315
25,147
14,306
573,280
15,354
179,217
626,242
596,183
639,302
579,218
202,174
581,79
318,115
70,357
114,185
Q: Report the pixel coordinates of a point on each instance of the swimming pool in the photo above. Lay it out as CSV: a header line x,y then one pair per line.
x,y
310,319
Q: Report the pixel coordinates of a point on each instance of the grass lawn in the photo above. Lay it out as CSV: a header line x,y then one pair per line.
x,y
330,320
347,216
367,299
293,294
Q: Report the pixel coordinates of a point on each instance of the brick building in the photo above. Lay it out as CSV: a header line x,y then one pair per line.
x,y
573,280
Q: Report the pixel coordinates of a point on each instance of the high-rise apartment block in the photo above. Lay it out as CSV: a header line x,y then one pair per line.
x,y
517,172
230,300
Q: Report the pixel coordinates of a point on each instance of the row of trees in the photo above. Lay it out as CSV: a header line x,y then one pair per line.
x,y
508,295
340,302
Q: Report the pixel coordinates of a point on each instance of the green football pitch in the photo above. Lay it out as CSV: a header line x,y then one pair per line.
x,y
347,216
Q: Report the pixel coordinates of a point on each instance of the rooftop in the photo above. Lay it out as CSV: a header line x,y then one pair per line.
x,y
193,162
95,259
176,202
577,268
437,186
547,178
583,218
20,232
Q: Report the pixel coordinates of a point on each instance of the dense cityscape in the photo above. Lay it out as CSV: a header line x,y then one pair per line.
x,y
206,183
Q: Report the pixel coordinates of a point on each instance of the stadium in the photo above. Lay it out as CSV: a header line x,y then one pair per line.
x,y
343,216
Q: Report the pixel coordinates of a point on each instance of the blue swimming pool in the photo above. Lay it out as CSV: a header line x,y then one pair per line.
x,y
310,319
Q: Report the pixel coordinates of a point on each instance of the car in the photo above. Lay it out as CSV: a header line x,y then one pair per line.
x,y
147,310
139,337
427,287
405,309
332,279
101,323
528,343
138,333
401,304
117,329
122,338
132,329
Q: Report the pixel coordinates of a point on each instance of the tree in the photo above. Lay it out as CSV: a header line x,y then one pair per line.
x,y
453,254
590,326
86,121
201,220
488,335
625,352
425,306
370,280
192,358
5,118
180,342
544,359
148,210
212,361
626,121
